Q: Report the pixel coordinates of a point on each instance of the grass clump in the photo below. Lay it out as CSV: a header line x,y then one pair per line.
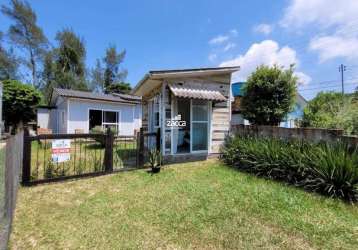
x,y
329,169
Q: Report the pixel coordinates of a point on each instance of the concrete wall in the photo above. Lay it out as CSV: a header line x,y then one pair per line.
x,y
43,117
60,116
129,115
307,134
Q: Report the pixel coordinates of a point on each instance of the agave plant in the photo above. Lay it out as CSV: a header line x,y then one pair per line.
x,y
330,169
155,158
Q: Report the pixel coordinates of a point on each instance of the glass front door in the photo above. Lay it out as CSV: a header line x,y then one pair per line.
x,y
200,125
194,136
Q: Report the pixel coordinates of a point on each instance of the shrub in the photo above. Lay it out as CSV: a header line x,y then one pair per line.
x,y
330,169
269,95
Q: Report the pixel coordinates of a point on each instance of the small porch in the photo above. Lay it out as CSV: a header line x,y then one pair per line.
x,y
191,108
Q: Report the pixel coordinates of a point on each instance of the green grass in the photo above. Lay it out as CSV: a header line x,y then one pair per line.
x,y
203,205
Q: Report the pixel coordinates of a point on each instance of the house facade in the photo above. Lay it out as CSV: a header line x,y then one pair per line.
x,y
289,122
191,107
72,111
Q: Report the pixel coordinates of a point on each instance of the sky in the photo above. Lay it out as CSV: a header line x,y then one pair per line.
x,y
315,35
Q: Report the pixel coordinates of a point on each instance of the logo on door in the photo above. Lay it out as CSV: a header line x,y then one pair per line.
x,y
176,122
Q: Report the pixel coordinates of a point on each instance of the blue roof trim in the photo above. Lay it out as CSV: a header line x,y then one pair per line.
x,y
236,88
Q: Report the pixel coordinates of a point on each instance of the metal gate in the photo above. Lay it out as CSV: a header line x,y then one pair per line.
x,y
54,157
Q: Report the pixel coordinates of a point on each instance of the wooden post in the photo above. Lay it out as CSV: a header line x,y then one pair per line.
x,y
108,153
26,160
157,139
141,148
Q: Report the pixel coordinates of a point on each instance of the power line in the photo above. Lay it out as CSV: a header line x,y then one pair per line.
x,y
327,87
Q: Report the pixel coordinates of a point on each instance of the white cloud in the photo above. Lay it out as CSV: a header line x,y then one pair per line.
x,y
263,28
267,52
334,46
335,20
229,46
212,57
234,32
325,13
218,39
303,79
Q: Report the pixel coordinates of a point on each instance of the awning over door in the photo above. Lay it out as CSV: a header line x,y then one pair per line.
x,y
196,93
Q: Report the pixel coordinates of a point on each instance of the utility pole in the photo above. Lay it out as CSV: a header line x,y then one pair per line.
x,y
342,68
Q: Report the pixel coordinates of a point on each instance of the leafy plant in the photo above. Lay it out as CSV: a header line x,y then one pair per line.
x,y
332,110
330,169
155,158
269,95
53,170
19,102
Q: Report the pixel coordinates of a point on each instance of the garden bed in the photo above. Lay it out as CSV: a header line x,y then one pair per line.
x,y
327,168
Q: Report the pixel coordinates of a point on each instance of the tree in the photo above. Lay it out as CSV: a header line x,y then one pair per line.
x,y
269,95
110,77
120,88
97,77
112,61
64,66
327,110
19,102
8,63
26,34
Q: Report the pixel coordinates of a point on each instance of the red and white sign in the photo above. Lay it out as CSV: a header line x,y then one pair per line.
x,y
61,150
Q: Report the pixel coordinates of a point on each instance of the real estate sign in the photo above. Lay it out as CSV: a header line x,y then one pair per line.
x,y
61,150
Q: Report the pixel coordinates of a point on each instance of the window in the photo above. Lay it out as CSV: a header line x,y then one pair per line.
x,y
156,111
63,117
104,119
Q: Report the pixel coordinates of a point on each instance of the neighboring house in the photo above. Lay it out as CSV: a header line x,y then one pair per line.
x,y
72,111
289,122
190,106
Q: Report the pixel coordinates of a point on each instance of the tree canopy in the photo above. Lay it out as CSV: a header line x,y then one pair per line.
x,y
269,95
331,110
110,77
19,102
64,65
8,63
26,34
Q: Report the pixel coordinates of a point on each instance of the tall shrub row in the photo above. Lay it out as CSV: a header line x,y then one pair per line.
x,y
330,169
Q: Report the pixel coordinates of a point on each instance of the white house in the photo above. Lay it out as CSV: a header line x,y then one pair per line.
x,y
72,111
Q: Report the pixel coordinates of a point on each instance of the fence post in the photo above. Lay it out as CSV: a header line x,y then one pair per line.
x,y
108,153
26,160
157,139
141,148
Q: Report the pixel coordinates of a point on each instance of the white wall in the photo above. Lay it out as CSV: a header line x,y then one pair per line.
x,y
129,115
61,105
43,117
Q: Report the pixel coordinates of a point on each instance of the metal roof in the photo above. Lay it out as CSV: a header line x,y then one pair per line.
x,y
156,76
122,98
196,93
237,88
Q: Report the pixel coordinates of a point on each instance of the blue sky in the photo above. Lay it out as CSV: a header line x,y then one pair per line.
x,y
317,35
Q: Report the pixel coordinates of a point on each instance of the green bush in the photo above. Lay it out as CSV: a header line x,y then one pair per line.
x,y
330,169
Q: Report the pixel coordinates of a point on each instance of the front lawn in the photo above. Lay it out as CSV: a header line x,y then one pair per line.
x,y
202,205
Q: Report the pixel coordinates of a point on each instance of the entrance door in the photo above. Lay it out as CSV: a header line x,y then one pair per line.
x,y
200,125
181,134
194,136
